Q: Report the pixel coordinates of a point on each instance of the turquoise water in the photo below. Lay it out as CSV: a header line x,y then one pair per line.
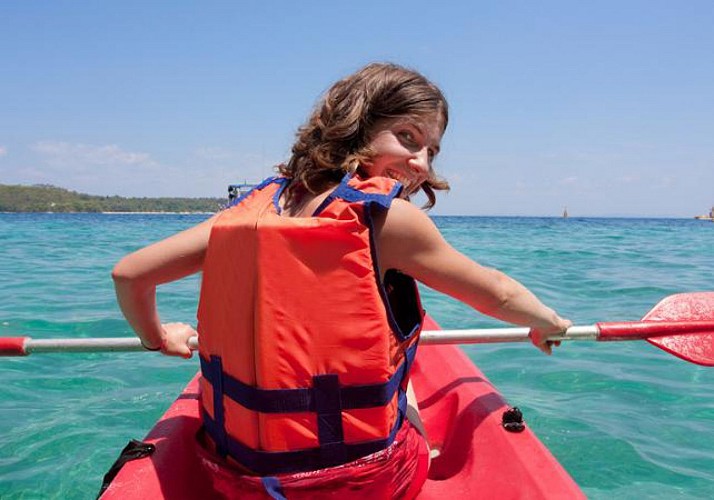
x,y
626,420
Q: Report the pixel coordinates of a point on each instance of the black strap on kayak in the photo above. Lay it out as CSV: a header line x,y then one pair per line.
x,y
512,420
135,449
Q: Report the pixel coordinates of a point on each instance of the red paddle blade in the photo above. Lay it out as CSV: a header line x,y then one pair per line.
x,y
695,347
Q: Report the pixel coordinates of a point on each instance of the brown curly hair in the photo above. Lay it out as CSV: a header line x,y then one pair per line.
x,y
334,140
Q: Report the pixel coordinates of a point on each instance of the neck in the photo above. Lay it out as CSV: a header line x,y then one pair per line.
x,y
299,202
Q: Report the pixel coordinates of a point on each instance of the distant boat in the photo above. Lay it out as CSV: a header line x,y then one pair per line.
x,y
565,213
237,190
709,216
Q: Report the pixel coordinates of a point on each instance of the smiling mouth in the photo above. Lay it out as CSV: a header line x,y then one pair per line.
x,y
411,186
399,177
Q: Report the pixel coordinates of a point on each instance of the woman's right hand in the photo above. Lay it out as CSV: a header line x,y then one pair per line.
x,y
175,339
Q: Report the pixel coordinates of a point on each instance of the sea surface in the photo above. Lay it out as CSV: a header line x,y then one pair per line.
x,y
627,420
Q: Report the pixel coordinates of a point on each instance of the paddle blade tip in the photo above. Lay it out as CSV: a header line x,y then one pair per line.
x,y
696,348
693,306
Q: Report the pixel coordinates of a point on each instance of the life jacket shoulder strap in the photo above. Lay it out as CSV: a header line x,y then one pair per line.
x,y
376,193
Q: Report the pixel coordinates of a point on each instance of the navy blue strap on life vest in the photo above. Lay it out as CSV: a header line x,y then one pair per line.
x,y
285,462
343,191
302,399
328,406
350,194
220,438
326,398
416,316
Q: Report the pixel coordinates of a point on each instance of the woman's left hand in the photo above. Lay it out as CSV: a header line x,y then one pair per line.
x,y
175,339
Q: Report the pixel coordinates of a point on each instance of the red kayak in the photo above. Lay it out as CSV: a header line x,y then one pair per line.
x,y
463,415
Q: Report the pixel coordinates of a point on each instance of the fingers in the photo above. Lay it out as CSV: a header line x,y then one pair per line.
x,y
176,339
540,337
546,347
540,341
182,350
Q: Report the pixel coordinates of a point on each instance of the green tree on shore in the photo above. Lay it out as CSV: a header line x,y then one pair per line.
x,y
44,198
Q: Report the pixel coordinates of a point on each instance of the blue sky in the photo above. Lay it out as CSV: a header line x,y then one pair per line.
x,y
604,107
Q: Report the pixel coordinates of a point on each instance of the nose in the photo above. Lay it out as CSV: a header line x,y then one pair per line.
x,y
420,163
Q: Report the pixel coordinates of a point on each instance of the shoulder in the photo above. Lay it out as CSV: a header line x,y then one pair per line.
x,y
405,233
405,220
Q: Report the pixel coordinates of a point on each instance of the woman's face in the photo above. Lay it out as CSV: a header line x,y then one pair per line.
x,y
404,149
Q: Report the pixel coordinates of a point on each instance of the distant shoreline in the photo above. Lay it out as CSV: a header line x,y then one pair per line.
x,y
51,199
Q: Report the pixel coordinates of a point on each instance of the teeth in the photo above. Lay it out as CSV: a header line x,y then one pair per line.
x,y
398,177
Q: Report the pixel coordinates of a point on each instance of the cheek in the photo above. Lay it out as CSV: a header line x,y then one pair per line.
x,y
387,153
384,144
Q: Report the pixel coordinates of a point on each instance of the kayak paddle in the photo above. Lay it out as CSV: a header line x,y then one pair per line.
x,y
681,324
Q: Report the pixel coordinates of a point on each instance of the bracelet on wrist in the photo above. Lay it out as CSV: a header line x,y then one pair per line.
x,y
150,348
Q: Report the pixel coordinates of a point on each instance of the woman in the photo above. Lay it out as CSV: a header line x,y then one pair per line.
x,y
309,314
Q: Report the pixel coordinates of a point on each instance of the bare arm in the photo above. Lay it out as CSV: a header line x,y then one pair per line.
x,y
137,275
409,242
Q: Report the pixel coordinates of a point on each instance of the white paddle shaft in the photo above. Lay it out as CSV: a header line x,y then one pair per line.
x,y
479,336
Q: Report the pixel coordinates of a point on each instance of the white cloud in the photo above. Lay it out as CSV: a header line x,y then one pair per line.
x,y
630,179
3,151
58,153
230,157
214,154
568,181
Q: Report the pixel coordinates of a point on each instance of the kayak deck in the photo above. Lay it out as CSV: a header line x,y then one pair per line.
x,y
461,410
478,458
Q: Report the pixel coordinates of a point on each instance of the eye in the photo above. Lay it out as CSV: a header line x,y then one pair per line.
x,y
407,136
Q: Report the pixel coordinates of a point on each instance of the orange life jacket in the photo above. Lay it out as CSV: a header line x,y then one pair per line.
x,y
305,352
